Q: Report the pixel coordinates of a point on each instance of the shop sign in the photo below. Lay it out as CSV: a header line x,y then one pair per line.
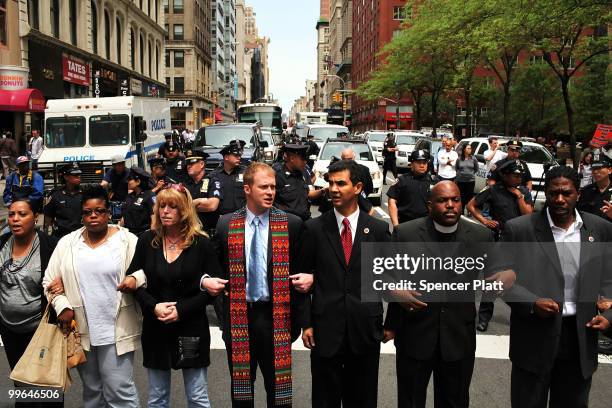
x,y
13,78
180,104
124,87
75,70
136,86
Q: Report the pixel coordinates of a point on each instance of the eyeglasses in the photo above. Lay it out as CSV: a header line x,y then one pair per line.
x,y
98,211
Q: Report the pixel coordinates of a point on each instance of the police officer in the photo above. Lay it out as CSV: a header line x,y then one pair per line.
x,y
175,164
313,149
389,149
158,173
204,192
514,153
409,195
138,208
229,178
116,179
596,198
506,200
63,210
293,183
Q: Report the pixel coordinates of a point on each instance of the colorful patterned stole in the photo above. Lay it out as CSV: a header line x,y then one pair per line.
x,y
242,389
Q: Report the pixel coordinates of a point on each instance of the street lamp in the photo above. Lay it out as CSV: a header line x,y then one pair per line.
x,y
343,86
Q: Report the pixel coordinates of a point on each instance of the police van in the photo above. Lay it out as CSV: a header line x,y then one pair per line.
x,y
92,130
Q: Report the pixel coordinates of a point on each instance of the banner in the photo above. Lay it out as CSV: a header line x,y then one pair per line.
x,y
602,136
75,70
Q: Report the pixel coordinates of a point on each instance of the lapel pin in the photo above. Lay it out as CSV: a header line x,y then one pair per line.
x,y
366,230
591,239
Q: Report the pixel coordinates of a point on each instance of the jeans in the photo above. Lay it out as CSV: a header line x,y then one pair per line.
x,y
196,387
108,379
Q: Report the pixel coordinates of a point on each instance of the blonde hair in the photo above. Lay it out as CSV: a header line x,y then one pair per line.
x,y
188,217
254,168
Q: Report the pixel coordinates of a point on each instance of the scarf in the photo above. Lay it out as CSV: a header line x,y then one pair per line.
x,y
242,388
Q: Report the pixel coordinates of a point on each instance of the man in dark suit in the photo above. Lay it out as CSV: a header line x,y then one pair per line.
x,y
438,336
343,332
262,306
555,321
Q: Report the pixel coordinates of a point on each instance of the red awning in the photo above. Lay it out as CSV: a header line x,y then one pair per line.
x,y
24,100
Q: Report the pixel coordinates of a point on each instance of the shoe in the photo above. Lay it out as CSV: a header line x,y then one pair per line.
x,y
482,326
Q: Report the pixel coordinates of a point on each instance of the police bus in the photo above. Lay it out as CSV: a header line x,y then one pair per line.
x,y
269,115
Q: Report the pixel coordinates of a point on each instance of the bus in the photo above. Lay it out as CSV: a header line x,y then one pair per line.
x,y
318,118
269,115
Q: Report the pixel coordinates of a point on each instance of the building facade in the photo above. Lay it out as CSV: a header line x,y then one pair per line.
x,y
323,62
241,29
189,63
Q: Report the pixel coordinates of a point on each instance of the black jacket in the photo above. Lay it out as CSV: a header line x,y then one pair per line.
x,y
337,313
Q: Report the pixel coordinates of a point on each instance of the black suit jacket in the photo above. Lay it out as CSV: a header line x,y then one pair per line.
x,y
534,341
450,323
337,313
297,299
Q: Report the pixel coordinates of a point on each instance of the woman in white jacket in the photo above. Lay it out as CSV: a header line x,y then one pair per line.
x,y
91,262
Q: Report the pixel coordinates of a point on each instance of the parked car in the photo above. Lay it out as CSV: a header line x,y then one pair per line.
x,y
376,139
273,140
405,145
363,155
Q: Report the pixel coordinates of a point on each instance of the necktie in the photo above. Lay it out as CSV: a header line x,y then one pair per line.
x,y
347,239
257,272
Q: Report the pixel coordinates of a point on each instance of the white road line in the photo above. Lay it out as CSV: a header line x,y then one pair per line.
x,y
381,213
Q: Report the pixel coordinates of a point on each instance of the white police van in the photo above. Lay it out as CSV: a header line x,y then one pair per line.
x,y
92,130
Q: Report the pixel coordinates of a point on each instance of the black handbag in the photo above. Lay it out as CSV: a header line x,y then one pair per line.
x,y
187,353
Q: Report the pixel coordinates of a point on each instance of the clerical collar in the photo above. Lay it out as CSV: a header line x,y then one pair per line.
x,y
445,230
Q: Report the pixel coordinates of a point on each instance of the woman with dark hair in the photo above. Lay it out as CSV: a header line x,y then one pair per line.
x,y
24,255
91,261
467,167
138,207
585,172
174,255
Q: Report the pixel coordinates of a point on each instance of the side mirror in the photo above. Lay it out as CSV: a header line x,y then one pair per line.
x,y
263,144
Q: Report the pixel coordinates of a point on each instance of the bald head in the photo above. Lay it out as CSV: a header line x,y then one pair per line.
x,y
443,188
445,203
348,154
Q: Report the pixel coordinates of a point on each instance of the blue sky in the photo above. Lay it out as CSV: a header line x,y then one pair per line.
x,y
290,25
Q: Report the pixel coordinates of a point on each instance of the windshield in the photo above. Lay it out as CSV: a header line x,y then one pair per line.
x,y
267,137
324,133
406,140
65,132
301,132
221,136
108,130
272,118
377,137
362,151
534,154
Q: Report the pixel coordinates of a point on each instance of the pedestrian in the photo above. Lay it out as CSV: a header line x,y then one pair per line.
x,y
493,154
138,209
596,198
90,261
258,250
514,153
584,170
205,194
409,195
35,148
116,179
436,337
389,149
555,322
24,183
8,153
467,167
63,210
24,255
343,332
174,255
447,159
228,179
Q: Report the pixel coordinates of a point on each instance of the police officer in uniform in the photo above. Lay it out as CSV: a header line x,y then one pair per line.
x,y
229,178
514,153
313,149
63,210
409,195
158,173
293,182
596,198
389,149
116,179
138,208
506,200
204,191
175,164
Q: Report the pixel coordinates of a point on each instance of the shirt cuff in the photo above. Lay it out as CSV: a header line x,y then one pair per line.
x,y
203,289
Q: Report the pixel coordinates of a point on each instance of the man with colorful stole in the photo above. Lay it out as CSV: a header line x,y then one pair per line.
x,y
262,299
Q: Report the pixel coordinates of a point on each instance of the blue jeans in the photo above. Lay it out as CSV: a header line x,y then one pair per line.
x,y
196,387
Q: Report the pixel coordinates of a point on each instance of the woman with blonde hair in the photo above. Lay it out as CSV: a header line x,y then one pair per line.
x,y
174,256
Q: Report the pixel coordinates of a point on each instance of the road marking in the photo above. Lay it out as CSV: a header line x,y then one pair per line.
x,y
381,213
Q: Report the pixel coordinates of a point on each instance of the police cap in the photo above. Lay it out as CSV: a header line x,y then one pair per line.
x,y
514,144
419,155
234,147
157,161
136,173
601,163
195,156
300,149
70,169
512,166
171,146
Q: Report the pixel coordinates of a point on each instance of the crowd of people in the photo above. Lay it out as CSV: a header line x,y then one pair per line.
x,y
242,239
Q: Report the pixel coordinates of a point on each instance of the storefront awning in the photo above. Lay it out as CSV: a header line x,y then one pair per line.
x,y
24,100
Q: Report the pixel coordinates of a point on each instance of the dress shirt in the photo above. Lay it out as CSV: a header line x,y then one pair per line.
x,y
264,230
569,257
353,218
447,171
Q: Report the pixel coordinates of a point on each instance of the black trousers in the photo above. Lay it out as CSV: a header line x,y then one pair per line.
x,y
562,387
486,307
346,379
261,347
389,164
451,381
467,192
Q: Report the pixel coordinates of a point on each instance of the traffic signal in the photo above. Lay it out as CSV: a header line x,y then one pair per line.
x,y
337,97
344,106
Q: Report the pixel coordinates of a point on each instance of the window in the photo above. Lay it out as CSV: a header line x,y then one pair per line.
x,y
168,81
179,59
94,27
166,8
3,36
119,39
167,28
400,13
154,12
33,18
142,54
150,49
156,63
108,130
72,17
65,132
178,32
177,6
107,34
54,12
167,58
149,10
132,49
179,85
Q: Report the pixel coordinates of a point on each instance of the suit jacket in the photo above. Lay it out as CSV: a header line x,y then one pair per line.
x,y
534,341
450,323
297,299
337,313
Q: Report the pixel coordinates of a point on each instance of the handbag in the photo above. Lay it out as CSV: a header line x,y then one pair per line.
x,y
44,362
187,353
74,349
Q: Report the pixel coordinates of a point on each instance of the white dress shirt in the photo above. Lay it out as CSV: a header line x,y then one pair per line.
x,y
353,218
568,248
264,229
496,157
445,170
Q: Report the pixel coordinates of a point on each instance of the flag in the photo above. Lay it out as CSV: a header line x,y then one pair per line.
x,y
602,136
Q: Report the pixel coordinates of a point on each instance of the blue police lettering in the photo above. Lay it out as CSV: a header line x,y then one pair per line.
x,y
78,158
158,124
